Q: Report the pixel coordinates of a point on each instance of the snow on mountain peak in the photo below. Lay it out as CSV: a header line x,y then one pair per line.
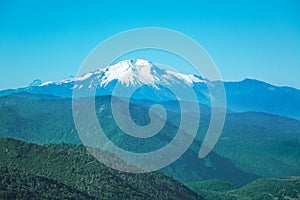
x,y
140,72
131,73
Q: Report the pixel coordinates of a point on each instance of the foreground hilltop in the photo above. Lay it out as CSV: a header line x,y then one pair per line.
x,y
56,171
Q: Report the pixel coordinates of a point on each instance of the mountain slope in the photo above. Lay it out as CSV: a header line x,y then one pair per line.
x,y
72,168
55,125
257,143
23,185
272,188
260,143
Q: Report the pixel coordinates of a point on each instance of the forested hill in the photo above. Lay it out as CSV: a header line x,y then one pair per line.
x,y
62,170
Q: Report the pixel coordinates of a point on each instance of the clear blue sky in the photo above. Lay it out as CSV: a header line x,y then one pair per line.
x,y
50,39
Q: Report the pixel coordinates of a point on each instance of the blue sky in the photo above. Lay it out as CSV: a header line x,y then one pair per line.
x,y
50,39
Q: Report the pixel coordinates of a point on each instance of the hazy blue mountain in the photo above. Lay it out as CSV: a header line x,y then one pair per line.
x,y
154,83
254,95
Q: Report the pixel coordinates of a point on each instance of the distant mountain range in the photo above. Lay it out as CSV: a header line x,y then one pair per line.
x,y
154,83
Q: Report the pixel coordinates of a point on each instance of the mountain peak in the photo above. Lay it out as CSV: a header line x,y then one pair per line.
x,y
135,62
143,72
133,73
36,82
130,72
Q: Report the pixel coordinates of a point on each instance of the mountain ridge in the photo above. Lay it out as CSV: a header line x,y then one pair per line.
x,y
129,75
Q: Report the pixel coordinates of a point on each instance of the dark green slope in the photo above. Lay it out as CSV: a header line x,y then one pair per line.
x,y
258,143
212,185
214,189
50,121
37,120
260,189
189,168
16,184
272,188
263,144
75,172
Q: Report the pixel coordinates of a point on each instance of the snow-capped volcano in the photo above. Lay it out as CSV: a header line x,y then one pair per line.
x,y
151,81
143,72
131,73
